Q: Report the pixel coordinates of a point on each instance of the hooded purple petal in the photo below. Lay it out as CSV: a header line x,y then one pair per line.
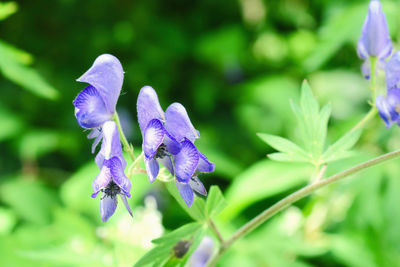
x,y
126,204
204,164
153,137
90,109
152,168
186,161
197,186
101,180
106,75
118,175
375,39
108,204
148,107
178,123
389,107
172,145
392,71
111,145
186,193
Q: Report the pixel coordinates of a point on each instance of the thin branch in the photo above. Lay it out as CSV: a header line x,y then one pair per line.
x,y
302,193
127,147
214,228
320,174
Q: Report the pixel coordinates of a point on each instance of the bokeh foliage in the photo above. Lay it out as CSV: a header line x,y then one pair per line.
x,y
235,65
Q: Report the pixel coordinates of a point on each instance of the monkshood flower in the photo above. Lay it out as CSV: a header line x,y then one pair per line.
x,y
202,254
375,40
389,107
168,139
392,71
111,180
96,104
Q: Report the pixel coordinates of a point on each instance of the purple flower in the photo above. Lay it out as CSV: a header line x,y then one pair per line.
x,y
375,40
168,139
202,254
111,180
389,107
96,104
392,71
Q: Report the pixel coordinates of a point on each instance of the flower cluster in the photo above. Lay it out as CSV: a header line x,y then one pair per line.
x,y
168,138
375,45
94,109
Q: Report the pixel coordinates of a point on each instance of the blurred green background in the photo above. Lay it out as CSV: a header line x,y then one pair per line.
x,y
234,65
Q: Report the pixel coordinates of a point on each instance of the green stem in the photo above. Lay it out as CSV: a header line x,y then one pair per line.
x,y
371,114
372,62
127,147
214,228
302,193
134,164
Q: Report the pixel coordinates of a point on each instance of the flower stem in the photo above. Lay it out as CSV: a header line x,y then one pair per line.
x,y
127,147
134,164
302,193
214,228
371,114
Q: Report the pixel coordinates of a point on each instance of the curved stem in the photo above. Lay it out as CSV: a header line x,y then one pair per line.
x,y
371,114
214,228
305,191
134,164
127,147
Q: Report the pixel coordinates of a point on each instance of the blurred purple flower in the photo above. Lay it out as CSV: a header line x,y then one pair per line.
x,y
389,107
202,254
392,71
96,104
171,136
375,40
111,180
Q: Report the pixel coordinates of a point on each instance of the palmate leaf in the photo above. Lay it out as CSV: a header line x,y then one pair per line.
x,y
312,128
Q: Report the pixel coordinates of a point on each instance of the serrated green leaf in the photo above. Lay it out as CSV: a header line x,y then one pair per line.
x,y
14,67
324,115
284,145
340,148
215,202
196,211
178,234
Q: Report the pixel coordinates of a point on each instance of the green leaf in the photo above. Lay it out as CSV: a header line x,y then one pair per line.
x,y
340,149
285,157
11,125
215,202
14,67
260,181
293,151
196,211
163,254
7,9
30,200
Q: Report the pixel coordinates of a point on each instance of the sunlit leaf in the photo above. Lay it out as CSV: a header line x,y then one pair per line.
x,y
340,148
15,68
215,202
7,9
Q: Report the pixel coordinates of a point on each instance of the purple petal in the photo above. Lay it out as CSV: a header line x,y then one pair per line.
x,y
118,175
148,107
111,145
393,99
202,254
126,204
366,69
152,168
186,193
172,145
94,133
153,137
186,161
392,71
197,186
96,142
108,204
106,75
204,164
375,39
178,124
90,110
101,180
166,161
